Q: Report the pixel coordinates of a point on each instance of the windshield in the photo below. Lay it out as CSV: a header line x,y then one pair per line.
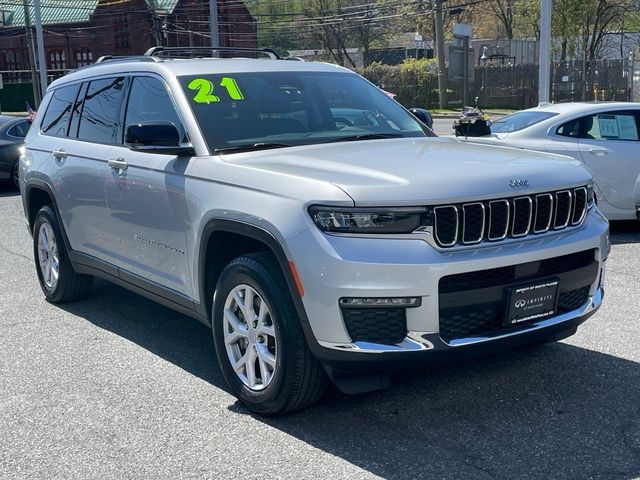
x,y
281,109
518,121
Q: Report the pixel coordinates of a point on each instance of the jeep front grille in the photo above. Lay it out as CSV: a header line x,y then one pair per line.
x,y
494,220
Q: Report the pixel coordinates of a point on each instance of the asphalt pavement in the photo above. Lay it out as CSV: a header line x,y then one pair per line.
x,y
118,387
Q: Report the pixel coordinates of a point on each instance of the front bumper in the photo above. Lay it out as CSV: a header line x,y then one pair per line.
x,y
332,267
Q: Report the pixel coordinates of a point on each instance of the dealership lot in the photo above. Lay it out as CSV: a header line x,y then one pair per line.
x,y
119,387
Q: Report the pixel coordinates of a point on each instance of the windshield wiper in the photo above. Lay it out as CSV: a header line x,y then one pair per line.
x,y
365,136
250,147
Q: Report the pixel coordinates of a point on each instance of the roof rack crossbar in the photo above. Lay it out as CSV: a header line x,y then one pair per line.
x,y
153,51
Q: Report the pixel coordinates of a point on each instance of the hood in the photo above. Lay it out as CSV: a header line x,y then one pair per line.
x,y
410,171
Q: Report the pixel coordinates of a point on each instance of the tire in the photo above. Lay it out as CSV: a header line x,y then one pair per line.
x,y
292,378
49,249
15,172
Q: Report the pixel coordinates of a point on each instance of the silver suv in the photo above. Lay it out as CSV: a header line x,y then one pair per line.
x,y
321,230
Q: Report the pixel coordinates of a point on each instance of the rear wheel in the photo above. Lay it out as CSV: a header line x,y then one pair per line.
x,y
59,282
259,341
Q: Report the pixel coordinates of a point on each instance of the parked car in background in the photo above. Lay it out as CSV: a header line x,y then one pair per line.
x,y
12,133
604,136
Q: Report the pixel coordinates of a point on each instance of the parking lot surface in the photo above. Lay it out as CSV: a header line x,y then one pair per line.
x,y
118,387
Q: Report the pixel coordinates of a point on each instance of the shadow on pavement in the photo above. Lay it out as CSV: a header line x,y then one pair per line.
x,y
8,190
627,231
547,411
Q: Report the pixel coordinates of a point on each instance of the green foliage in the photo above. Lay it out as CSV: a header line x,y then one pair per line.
x,y
414,81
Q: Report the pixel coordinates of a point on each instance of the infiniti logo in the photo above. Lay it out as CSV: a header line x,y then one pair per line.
x,y
520,304
518,183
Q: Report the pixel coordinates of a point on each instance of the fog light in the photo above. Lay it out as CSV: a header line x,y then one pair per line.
x,y
398,302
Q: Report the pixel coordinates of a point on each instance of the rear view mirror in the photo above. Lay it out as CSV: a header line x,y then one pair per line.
x,y
423,115
156,137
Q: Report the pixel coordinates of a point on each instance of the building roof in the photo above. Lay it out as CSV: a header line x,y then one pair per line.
x,y
53,11
67,11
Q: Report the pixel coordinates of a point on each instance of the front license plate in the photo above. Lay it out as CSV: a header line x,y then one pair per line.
x,y
531,302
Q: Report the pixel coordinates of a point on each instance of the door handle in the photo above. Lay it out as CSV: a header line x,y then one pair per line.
x,y
598,151
60,154
119,164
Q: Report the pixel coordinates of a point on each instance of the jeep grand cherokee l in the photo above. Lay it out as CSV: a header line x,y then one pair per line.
x,y
321,230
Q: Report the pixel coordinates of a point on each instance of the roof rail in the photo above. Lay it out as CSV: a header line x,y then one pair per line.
x,y
153,51
109,58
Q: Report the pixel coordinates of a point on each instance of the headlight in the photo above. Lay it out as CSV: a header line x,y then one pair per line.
x,y
369,220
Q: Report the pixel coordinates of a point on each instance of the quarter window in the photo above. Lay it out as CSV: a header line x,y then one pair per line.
x,y
56,118
150,101
100,117
19,130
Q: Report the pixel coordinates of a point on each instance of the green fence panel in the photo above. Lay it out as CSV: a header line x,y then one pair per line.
x,y
13,97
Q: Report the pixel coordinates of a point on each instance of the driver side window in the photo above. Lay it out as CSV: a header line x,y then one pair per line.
x,y
149,100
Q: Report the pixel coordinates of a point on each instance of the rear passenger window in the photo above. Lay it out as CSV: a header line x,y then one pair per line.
x,y
56,118
149,101
610,126
100,117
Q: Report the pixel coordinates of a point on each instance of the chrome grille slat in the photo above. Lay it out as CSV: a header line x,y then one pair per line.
x,y
545,218
443,211
563,201
466,223
506,220
579,205
515,217
518,204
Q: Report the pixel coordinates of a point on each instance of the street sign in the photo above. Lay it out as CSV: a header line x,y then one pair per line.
x,y
456,65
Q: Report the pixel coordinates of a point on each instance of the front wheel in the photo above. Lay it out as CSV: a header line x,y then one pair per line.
x,y
259,340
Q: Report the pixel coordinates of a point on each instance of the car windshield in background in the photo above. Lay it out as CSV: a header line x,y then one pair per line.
x,y
518,121
247,111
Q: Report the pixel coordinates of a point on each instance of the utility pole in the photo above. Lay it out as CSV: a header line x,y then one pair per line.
x,y
32,57
442,68
465,71
544,69
213,14
42,64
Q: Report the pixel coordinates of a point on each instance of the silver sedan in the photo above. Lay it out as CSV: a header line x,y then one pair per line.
x,y
604,136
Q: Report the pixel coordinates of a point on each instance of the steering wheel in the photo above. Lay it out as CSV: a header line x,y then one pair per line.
x,y
343,121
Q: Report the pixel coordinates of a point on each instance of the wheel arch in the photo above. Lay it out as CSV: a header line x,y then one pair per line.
x,y
222,240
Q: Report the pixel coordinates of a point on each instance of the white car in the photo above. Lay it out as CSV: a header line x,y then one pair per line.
x,y
604,136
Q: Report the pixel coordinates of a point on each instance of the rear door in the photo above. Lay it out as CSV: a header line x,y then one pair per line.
x,y
609,144
147,198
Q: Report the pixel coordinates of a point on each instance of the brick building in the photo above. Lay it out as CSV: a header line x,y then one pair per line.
x,y
76,32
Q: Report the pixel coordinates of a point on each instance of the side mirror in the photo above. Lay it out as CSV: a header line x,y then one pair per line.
x,y
156,137
423,115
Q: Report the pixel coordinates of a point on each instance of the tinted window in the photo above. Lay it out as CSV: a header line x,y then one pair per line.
x,y
519,120
77,109
19,130
149,100
569,129
56,118
610,126
100,117
293,108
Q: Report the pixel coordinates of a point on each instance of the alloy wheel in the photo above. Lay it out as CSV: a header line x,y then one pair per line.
x,y
250,337
48,258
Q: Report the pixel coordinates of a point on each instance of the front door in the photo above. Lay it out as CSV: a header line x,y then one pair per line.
x,y
609,145
146,197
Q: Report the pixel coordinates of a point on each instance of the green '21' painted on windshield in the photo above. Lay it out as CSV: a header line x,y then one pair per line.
x,y
205,88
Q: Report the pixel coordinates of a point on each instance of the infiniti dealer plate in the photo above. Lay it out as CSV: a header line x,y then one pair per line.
x,y
535,301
